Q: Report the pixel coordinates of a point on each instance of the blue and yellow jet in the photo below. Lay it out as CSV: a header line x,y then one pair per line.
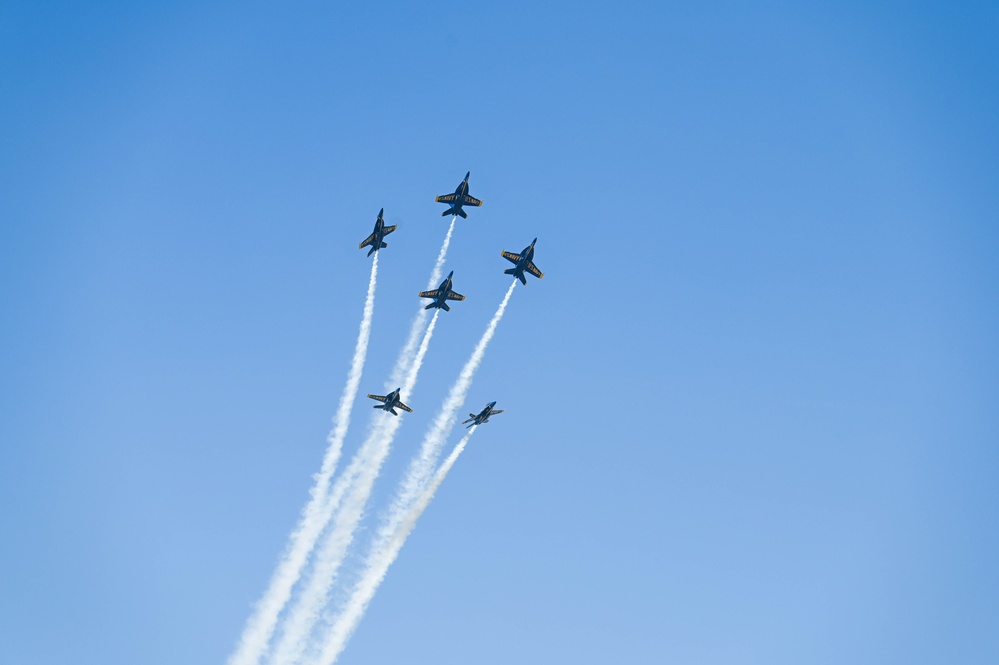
x,y
458,199
483,416
523,261
390,402
442,293
378,235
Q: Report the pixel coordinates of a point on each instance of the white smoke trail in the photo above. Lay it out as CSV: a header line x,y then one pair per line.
x,y
412,489
356,482
422,465
260,626
381,557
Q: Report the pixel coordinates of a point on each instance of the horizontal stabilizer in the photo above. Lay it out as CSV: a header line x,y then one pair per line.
x,y
445,307
462,213
449,211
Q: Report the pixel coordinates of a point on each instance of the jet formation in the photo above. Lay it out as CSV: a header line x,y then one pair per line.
x,y
483,415
523,263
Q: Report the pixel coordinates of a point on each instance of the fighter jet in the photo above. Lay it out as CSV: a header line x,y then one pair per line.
x,y
483,416
458,199
442,293
523,261
377,236
390,402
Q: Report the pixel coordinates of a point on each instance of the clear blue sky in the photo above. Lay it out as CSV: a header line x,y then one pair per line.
x,y
751,408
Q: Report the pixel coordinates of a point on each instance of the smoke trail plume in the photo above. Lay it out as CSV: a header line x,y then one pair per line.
x,y
354,485
260,626
383,554
412,490
422,465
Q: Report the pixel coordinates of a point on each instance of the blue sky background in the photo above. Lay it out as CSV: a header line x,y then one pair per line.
x,y
751,408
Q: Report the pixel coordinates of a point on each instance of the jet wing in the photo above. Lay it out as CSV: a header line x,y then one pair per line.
x,y
511,257
470,201
493,413
403,407
533,269
468,421
447,198
380,398
389,229
367,241
451,295
430,294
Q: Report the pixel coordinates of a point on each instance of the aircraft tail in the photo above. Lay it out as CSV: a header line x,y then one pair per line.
x,y
520,275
